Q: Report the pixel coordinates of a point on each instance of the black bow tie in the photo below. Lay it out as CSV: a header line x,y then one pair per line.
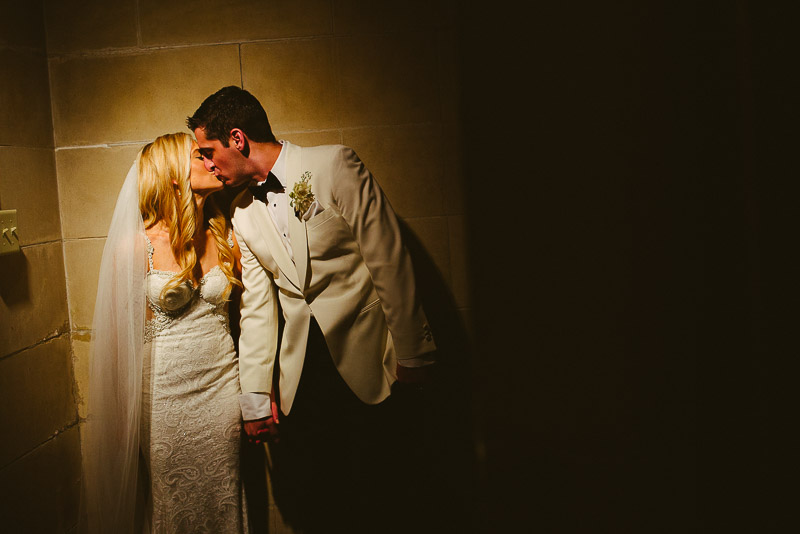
x,y
270,184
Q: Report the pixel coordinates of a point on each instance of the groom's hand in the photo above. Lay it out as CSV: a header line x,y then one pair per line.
x,y
415,376
262,430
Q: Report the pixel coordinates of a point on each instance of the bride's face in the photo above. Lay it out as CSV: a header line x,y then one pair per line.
x,y
202,181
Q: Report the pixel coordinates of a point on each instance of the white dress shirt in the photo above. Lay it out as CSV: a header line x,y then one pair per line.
x,y
278,202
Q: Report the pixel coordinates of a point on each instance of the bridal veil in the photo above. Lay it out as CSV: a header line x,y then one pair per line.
x,y
111,430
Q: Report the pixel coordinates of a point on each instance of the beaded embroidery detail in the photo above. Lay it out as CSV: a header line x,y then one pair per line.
x,y
163,318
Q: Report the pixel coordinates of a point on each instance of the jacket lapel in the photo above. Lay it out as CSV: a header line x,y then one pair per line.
x,y
269,233
297,228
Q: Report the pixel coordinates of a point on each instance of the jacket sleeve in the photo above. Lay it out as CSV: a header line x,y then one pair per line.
x,y
258,340
376,228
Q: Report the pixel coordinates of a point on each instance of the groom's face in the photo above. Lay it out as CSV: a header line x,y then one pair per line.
x,y
226,162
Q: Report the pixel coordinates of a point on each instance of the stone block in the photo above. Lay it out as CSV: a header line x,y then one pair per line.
x,y
449,75
130,98
459,261
28,185
22,24
33,298
40,492
82,261
86,25
219,21
36,396
368,16
387,79
453,176
295,81
89,181
407,163
25,96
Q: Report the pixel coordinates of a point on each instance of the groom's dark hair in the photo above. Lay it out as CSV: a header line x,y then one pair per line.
x,y
232,107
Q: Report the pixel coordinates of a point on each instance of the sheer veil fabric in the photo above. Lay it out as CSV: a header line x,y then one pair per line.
x,y
111,430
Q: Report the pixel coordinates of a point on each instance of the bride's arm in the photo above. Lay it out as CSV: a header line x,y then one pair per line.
x,y
235,300
237,257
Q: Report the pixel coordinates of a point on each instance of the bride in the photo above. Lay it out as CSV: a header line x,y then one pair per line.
x,y
161,448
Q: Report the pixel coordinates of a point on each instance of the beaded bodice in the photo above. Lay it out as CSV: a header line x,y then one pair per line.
x,y
207,300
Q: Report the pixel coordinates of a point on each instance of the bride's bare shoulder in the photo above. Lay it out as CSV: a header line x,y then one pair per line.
x,y
162,248
158,235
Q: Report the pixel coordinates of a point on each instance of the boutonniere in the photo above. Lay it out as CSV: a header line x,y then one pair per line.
x,y
301,195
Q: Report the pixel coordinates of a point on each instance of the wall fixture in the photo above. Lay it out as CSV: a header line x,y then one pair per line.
x,y
9,241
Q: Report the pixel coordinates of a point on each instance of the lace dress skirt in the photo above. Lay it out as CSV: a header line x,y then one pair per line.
x,y
191,418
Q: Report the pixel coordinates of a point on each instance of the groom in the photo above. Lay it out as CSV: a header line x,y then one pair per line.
x,y
321,250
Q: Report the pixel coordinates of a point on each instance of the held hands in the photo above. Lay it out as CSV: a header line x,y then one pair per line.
x,y
414,376
265,429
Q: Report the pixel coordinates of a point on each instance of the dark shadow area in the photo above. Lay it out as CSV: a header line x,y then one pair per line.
x,y
626,193
750,402
640,326
443,443
254,478
14,284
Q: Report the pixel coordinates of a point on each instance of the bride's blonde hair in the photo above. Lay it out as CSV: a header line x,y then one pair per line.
x,y
165,194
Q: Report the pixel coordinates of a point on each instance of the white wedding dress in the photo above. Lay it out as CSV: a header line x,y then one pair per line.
x,y
191,420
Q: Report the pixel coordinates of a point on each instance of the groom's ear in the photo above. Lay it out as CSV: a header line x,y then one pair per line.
x,y
238,140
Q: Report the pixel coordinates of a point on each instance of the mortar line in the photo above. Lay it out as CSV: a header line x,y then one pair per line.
x,y
241,68
133,50
85,238
24,49
277,133
104,145
28,147
50,337
40,243
51,438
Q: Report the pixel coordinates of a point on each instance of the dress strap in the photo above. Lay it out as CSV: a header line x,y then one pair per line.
x,y
150,251
230,237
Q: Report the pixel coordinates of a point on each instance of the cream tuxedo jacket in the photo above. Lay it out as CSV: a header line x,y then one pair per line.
x,y
350,270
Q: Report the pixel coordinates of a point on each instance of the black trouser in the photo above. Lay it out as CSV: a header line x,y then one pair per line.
x,y
335,466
